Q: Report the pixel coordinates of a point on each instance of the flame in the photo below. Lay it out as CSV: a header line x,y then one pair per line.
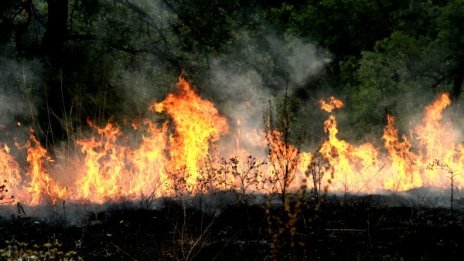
x,y
403,161
9,175
437,141
180,152
197,123
349,164
114,170
105,165
41,186
149,160
331,104
284,159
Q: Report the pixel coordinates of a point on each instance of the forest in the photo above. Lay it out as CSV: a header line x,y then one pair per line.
x,y
65,61
231,129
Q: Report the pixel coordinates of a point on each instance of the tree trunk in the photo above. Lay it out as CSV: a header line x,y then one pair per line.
x,y
53,110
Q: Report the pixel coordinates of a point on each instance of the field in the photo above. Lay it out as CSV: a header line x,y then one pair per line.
x,y
217,227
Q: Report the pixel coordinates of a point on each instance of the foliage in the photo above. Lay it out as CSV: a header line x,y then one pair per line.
x,y
110,58
398,64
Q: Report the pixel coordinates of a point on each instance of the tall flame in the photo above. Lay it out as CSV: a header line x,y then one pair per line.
x,y
115,170
403,161
350,164
162,158
41,186
197,123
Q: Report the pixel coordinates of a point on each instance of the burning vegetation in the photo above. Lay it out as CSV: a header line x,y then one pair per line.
x,y
326,130
177,152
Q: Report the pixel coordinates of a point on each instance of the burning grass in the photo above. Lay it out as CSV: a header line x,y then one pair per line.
x,y
184,153
178,152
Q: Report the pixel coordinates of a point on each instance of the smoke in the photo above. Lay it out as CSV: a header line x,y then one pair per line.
x,y
147,81
18,99
255,66
299,59
257,71
150,74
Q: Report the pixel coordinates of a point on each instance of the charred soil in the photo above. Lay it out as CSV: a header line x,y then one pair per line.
x,y
339,228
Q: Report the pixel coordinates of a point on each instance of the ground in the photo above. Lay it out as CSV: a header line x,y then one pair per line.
x,y
344,227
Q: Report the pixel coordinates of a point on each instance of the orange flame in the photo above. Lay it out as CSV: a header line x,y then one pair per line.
x,y
197,123
403,161
114,170
9,175
438,140
350,165
105,163
163,158
331,104
41,186
284,158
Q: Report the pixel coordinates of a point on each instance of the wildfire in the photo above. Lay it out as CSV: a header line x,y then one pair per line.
x,y
350,165
332,104
182,154
197,123
9,174
42,186
405,175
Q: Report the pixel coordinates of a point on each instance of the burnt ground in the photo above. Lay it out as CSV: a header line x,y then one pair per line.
x,y
339,228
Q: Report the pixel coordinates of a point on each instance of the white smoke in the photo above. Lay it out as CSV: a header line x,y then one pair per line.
x,y
256,72
300,59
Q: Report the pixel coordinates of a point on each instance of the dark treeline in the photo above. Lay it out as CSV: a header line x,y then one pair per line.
x,y
73,60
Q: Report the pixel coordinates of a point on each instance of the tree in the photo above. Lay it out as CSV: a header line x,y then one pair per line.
x,y
402,64
451,37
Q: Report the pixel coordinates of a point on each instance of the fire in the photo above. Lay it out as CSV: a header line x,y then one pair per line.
x,y
404,163
285,160
114,170
104,175
193,149
149,176
437,142
197,123
332,104
9,174
349,164
41,185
